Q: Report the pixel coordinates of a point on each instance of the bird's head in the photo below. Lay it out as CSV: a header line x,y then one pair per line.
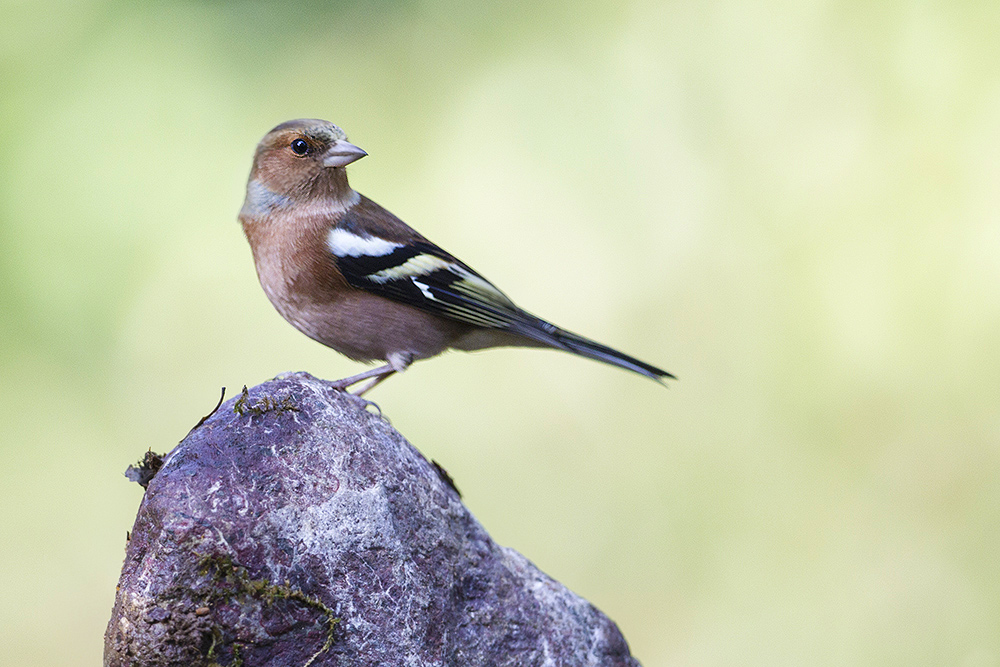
x,y
300,160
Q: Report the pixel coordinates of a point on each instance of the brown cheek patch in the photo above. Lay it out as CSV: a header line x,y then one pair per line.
x,y
282,172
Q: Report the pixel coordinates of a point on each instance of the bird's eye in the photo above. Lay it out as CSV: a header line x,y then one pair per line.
x,y
299,147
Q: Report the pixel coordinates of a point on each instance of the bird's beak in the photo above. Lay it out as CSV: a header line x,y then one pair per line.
x,y
342,153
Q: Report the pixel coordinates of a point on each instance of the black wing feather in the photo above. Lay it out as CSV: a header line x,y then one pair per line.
x,y
424,276
435,282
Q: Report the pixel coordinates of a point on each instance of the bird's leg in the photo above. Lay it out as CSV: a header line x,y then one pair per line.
x,y
398,362
379,373
374,382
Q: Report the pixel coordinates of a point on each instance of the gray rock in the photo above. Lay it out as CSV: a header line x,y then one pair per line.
x,y
294,528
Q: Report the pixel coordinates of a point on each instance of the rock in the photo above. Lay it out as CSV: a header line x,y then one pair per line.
x,y
294,528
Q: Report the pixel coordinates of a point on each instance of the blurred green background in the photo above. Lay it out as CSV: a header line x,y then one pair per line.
x,y
794,206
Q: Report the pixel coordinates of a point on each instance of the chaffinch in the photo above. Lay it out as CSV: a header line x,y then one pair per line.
x,y
351,275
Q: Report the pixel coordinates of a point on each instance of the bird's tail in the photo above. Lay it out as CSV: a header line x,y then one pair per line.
x,y
549,334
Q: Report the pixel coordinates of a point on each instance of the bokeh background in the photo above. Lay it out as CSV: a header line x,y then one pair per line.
x,y
794,206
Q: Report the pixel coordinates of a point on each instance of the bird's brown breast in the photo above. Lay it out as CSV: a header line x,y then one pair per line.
x,y
301,280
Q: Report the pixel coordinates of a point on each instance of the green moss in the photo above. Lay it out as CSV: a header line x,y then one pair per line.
x,y
231,580
237,658
266,404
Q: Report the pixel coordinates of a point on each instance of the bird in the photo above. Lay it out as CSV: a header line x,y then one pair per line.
x,y
351,275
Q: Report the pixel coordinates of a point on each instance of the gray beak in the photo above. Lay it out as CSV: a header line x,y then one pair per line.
x,y
342,153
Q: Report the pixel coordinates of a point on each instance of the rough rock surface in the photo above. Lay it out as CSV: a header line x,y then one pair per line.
x,y
294,528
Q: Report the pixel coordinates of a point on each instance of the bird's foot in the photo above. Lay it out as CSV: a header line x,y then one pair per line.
x,y
364,403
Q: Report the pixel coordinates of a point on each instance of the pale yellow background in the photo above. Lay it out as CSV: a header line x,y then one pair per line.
x,y
794,206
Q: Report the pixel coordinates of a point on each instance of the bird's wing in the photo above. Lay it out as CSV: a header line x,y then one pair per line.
x,y
420,274
416,272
